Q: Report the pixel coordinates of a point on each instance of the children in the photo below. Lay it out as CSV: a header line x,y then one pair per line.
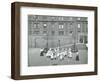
x,y
69,53
77,56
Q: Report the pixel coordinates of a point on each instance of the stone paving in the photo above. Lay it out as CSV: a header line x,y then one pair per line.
x,y
34,58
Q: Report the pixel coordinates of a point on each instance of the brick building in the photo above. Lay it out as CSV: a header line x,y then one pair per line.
x,y
54,31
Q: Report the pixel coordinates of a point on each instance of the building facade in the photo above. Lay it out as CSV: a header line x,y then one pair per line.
x,y
54,31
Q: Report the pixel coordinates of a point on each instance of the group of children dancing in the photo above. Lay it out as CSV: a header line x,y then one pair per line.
x,y
58,53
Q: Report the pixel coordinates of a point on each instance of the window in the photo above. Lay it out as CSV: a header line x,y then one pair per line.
x,y
78,18
35,25
61,32
83,39
34,17
78,25
61,26
70,18
44,32
60,18
36,32
79,28
52,18
44,25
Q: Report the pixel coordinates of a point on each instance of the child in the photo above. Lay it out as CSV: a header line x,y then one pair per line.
x,y
69,53
77,56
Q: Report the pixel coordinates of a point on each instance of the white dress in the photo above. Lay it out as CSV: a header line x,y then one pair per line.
x,y
70,54
49,53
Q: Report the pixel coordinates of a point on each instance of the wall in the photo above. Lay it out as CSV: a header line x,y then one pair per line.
x,y
65,30
5,40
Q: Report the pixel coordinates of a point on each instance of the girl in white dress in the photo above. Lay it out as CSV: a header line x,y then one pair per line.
x,y
69,53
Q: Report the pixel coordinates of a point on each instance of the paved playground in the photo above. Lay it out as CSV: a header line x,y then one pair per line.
x,y
34,58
